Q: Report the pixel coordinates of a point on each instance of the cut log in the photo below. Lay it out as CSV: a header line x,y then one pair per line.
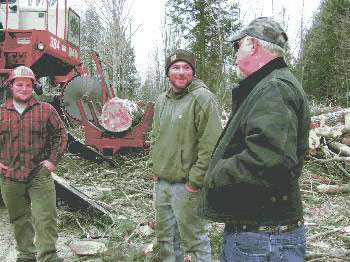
x,y
119,115
320,110
330,119
340,148
333,189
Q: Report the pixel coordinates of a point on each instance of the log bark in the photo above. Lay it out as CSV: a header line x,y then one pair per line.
x,y
119,115
332,189
330,119
340,148
317,110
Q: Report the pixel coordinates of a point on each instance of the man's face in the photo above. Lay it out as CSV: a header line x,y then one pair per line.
x,y
243,52
22,89
180,75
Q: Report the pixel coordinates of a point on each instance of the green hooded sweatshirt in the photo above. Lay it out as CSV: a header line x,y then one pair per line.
x,y
185,129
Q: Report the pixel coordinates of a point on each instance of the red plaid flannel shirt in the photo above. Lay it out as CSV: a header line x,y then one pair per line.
x,y
25,140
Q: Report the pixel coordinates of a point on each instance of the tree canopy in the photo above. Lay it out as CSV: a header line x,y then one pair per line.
x,y
323,65
204,28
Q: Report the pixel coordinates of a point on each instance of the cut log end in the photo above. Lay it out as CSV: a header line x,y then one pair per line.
x,y
119,115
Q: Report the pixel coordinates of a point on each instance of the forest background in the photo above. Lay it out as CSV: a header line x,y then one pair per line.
x,y
203,26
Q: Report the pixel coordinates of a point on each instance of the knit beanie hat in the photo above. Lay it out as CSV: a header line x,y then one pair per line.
x,y
180,55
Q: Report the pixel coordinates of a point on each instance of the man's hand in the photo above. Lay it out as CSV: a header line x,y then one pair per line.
x,y
46,163
3,167
190,188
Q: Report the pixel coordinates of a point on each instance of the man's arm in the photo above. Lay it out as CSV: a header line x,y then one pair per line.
x,y
57,140
158,107
270,132
209,128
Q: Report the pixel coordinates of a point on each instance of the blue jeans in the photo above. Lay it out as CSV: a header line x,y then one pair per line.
x,y
179,229
259,247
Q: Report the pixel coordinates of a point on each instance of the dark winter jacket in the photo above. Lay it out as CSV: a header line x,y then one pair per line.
x,y
253,174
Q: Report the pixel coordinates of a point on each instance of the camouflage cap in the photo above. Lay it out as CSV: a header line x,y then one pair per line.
x,y
265,29
346,131
180,55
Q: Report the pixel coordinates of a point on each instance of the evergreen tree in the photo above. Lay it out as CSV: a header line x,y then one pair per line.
x,y
205,26
91,37
323,66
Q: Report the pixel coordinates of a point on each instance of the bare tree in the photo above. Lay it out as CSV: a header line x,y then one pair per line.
x,y
118,51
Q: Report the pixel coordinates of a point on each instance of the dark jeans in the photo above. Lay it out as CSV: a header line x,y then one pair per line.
x,y
259,247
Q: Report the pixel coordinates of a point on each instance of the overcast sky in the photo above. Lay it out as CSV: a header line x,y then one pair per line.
x,y
148,16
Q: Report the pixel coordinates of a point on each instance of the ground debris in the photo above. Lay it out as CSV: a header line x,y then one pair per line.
x,y
126,192
88,247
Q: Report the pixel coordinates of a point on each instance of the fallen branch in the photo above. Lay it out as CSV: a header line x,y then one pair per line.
x,y
129,200
331,119
331,189
82,229
340,148
316,257
346,173
320,110
313,237
333,159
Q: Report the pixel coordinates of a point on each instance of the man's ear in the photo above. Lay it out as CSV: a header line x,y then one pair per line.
x,y
255,45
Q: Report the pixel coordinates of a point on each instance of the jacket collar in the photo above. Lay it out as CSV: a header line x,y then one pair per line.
x,y
9,103
247,85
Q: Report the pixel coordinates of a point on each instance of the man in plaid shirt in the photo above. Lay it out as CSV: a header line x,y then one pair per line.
x,y
32,140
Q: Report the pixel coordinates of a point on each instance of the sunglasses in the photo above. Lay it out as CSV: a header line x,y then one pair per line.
x,y
236,46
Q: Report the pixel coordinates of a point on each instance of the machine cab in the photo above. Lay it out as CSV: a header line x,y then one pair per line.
x,y
56,18
13,19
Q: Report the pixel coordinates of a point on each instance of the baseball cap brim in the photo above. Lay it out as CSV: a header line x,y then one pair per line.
x,y
238,37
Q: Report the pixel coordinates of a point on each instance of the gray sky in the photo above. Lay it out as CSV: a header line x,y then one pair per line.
x,y
148,16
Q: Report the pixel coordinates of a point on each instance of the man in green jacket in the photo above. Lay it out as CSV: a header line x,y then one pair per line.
x,y
186,126
252,181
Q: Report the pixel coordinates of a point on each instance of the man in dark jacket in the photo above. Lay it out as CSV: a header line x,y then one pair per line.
x,y
252,181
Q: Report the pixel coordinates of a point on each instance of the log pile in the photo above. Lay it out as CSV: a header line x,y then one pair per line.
x,y
329,127
329,140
